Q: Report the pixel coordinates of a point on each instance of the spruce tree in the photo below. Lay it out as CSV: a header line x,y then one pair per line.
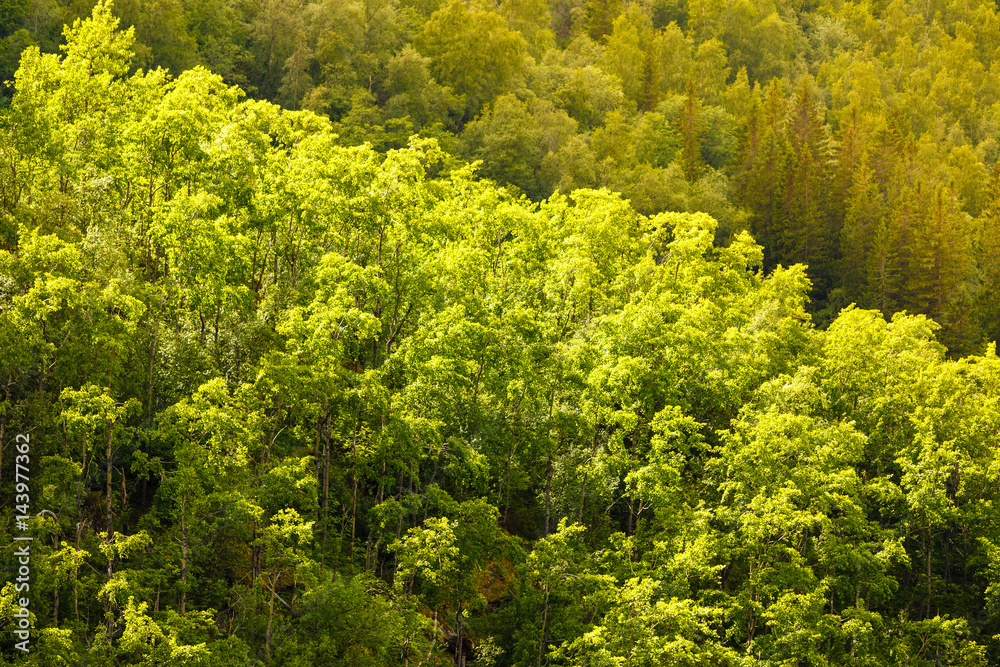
x,y
649,86
601,15
761,157
865,213
949,282
691,126
808,235
987,254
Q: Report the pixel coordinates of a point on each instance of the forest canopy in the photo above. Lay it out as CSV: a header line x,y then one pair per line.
x,y
636,335
857,138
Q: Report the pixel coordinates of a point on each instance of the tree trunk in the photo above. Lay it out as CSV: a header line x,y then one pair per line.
x,y
354,475
548,497
545,631
270,618
109,516
326,483
254,556
109,460
184,554
55,593
927,550
3,423
583,485
583,490
76,571
459,652
434,636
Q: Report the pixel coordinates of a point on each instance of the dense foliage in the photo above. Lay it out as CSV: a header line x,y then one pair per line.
x,y
297,402
855,137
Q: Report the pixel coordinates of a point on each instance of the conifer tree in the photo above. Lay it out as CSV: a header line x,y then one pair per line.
x,y
691,126
808,235
649,86
987,255
601,15
761,160
947,284
882,269
898,253
865,214
749,140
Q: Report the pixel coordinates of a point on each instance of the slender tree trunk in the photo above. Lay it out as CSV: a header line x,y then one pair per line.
x,y
354,475
583,485
109,517
152,359
270,618
55,593
3,431
3,422
506,480
548,497
369,564
184,554
254,556
76,571
317,454
109,459
459,652
326,483
434,636
927,550
545,631
633,513
583,491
